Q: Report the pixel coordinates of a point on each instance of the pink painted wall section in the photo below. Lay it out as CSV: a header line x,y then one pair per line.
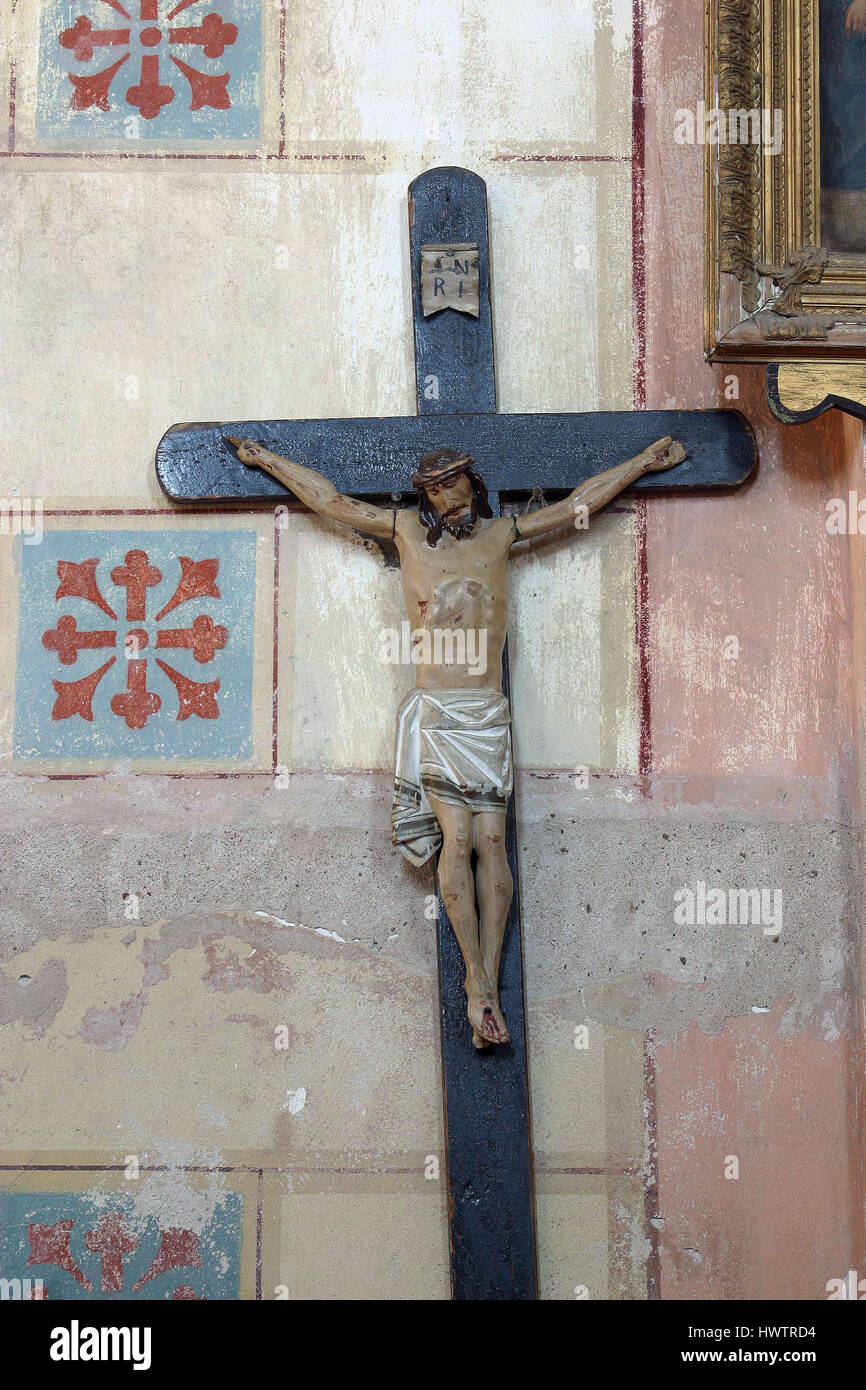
x,y
781,1228
774,731
758,566
757,569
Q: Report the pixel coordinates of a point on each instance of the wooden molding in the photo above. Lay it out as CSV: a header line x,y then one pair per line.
x,y
801,391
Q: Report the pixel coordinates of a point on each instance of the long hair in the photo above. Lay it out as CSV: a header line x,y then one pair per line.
x,y
432,519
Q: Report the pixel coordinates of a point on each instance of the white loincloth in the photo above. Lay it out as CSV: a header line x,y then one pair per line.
x,y
456,745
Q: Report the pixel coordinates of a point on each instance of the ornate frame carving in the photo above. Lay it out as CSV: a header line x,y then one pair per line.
x,y
771,295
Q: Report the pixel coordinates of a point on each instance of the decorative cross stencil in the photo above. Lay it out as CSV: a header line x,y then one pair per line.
x,y
70,1245
150,69
139,646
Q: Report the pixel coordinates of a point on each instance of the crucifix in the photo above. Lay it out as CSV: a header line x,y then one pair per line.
x,y
461,462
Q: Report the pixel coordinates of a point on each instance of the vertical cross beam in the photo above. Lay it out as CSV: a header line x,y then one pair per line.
x,y
488,1140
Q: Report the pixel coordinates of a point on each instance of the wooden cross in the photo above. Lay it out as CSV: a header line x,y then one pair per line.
x,y
489,1156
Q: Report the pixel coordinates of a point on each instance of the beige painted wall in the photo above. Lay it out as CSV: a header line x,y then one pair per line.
x,y
141,291
161,932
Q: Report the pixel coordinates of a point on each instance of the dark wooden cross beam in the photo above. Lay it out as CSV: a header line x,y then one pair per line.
x,y
489,1153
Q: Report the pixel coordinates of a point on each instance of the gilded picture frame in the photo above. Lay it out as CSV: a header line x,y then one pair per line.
x,y
785,272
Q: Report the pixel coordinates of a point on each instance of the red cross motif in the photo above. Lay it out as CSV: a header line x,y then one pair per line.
x,y
67,641
212,35
136,704
202,639
112,1241
150,94
138,576
83,40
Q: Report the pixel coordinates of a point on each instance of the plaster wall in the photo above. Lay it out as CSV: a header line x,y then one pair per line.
x,y
218,1002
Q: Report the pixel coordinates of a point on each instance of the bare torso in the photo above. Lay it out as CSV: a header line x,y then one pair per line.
x,y
456,593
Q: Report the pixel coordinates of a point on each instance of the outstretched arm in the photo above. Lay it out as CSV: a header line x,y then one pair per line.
x,y
598,491
316,491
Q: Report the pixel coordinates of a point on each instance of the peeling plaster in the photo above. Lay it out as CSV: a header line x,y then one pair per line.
x,y
320,931
167,1194
35,1000
296,1100
113,1027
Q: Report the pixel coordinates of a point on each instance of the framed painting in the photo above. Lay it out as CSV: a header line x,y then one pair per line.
x,y
784,124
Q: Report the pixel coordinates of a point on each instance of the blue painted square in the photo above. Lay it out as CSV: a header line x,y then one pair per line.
x,y
55,696
93,1247
150,70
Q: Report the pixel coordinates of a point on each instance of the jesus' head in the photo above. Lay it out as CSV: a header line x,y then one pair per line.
x,y
451,495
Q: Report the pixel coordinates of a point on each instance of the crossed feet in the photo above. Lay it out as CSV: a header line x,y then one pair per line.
x,y
488,1022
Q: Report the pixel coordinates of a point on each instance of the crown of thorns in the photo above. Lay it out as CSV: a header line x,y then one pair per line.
x,y
436,467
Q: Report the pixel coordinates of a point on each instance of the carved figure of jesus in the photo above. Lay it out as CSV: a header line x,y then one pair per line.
x,y
454,771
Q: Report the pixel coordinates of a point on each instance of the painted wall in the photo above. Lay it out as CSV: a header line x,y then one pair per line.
x,y
219,1037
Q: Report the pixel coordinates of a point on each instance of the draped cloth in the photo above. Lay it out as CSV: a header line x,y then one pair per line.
x,y
456,745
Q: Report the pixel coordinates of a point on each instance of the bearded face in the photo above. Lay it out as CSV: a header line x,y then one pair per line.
x,y
462,524
453,505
